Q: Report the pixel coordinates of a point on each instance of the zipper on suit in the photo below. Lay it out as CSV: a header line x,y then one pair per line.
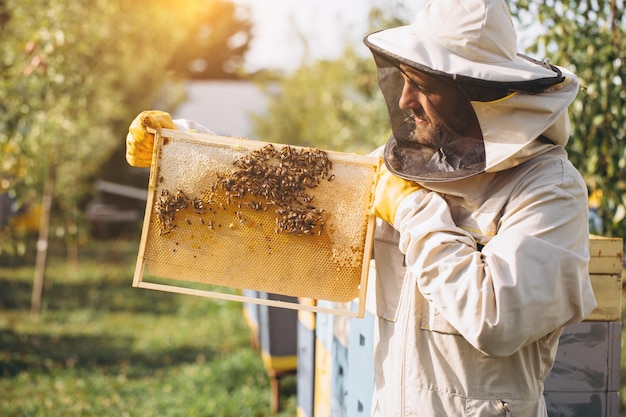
x,y
505,407
407,297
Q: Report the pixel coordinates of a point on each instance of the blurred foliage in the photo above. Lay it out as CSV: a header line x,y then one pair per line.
x,y
73,74
589,37
333,105
215,45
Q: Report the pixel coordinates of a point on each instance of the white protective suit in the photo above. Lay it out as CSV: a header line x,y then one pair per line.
x,y
487,263
479,276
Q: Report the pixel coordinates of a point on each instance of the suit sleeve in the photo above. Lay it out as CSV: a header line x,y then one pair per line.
x,y
530,279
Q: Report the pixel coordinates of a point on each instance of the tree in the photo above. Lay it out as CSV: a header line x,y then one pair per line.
x,y
589,37
215,45
72,74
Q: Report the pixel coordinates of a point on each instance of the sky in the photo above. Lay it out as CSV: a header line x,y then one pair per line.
x,y
282,27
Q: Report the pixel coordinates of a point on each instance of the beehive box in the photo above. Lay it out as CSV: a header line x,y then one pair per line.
x,y
605,271
250,215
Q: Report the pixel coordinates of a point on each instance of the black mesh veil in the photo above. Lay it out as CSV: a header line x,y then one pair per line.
x,y
454,157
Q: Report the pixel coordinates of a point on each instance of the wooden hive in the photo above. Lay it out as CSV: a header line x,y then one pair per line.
x,y
605,271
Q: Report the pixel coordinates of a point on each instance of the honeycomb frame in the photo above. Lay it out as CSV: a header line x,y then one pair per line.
x,y
197,230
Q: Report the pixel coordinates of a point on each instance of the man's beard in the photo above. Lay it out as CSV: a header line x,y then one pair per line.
x,y
440,148
434,134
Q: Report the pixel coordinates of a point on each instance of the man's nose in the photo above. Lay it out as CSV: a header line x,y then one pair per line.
x,y
410,97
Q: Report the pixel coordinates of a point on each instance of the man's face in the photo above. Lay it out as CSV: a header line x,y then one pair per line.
x,y
442,112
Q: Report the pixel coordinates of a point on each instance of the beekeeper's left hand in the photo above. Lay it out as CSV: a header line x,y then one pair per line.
x,y
140,141
389,193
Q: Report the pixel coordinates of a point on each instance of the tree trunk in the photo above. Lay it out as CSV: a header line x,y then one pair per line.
x,y
42,243
71,241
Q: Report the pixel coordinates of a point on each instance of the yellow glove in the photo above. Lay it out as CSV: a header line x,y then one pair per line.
x,y
389,193
139,141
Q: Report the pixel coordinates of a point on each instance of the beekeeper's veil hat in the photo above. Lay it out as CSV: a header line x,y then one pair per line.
x,y
474,43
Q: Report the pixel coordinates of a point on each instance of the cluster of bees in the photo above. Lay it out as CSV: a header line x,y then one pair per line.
x,y
282,178
166,207
264,178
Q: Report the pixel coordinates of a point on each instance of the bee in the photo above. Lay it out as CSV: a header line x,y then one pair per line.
x,y
258,206
198,205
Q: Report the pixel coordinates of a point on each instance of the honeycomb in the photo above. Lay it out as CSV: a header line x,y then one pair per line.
x,y
251,215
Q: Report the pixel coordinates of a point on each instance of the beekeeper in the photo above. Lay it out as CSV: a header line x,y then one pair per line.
x,y
482,243
482,251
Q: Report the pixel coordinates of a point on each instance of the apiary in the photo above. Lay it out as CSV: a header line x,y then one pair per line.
x,y
250,215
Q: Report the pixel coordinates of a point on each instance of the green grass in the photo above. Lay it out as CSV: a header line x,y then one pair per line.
x,y
102,348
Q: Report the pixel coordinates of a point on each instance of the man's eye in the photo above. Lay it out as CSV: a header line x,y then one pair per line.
x,y
414,85
420,88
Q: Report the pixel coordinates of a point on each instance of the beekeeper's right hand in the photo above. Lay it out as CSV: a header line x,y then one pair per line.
x,y
390,191
139,141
